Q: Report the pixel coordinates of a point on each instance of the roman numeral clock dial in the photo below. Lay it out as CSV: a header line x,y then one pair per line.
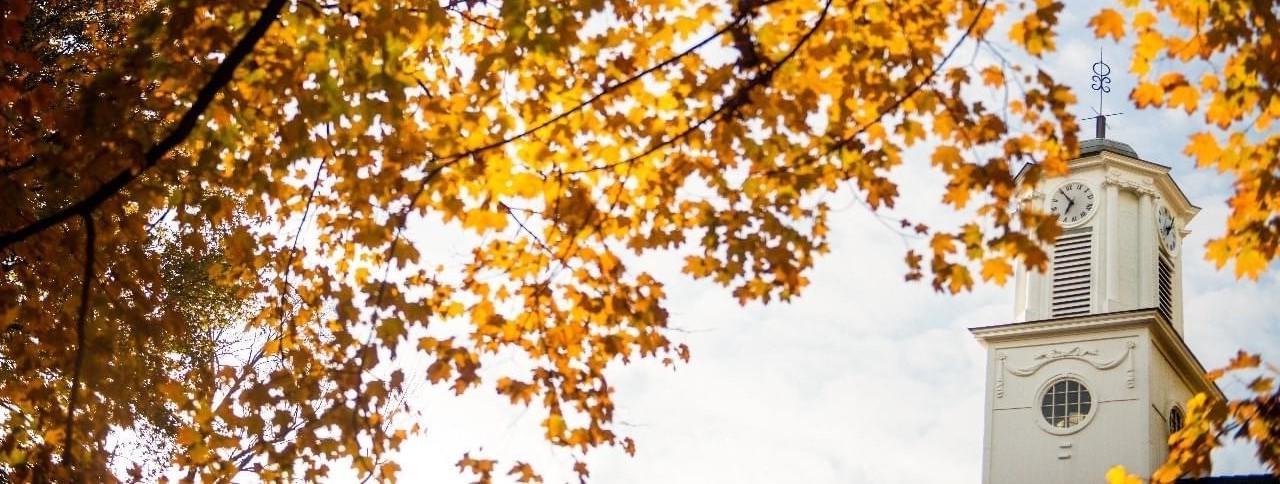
x,y
1072,202
1166,230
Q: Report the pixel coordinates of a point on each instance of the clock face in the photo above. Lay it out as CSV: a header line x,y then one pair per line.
x,y
1165,229
1072,203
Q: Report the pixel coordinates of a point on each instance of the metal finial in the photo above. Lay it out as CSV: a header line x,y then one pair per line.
x,y
1102,84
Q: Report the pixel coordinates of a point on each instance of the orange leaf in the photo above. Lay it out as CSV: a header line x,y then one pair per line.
x,y
1204,148
1185,96
993,76
1147,94
1251,263
996,270
1107,22
946,157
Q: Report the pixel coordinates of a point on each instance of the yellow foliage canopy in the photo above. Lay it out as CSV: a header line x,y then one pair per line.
x,y
300,146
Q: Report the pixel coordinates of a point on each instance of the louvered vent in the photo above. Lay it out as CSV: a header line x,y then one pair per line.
x,y
1071,273
1164,289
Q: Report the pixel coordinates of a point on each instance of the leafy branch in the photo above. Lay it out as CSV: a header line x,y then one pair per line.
x,y
181,131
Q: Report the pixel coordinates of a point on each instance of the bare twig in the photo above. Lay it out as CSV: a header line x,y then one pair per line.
x,y
526,230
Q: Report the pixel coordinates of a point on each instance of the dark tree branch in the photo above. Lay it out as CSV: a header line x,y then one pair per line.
x,y
86,283
6,171
221,77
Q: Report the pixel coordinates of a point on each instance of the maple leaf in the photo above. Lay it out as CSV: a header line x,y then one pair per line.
x,y
1250,263
993,76
1147,94
946,157
1204,148
1186,96
1107,22
997,270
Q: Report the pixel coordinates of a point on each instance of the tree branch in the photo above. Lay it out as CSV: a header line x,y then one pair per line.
x,y
86,283
221,77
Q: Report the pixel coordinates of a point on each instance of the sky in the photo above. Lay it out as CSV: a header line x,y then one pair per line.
x,y
865,377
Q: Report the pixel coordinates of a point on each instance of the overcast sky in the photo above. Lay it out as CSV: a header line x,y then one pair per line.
x,y
865,378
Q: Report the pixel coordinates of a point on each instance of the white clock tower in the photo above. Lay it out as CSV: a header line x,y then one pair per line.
x,y
1094,370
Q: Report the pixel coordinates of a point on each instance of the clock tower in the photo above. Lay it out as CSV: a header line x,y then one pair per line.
x,y
1093,371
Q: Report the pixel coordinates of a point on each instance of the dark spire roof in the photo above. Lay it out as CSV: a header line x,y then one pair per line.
x,y
1097,145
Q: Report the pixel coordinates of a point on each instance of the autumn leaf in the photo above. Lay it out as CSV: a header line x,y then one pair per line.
x,y
993,76
555,426
1119,475
1185,96
1147,94
1250,263
996,270
946,157
1204,148
1107,22
523,472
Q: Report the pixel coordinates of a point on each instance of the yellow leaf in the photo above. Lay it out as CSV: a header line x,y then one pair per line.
x,y
1107,22
1250,263
1147,94
996,270
555,426
482,220
1144,19
1118,475
992,76
389,470
1185,96
54,435
1204,148
960,279
946,157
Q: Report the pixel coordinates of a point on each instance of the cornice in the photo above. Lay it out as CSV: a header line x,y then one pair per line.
x,y
1142,185
1164,337
1048,327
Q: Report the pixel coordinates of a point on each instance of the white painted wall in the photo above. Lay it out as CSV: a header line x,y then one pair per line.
x,y
1023,448
1167,390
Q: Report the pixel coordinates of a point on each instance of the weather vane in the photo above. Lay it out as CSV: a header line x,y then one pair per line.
x,y
1102,84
